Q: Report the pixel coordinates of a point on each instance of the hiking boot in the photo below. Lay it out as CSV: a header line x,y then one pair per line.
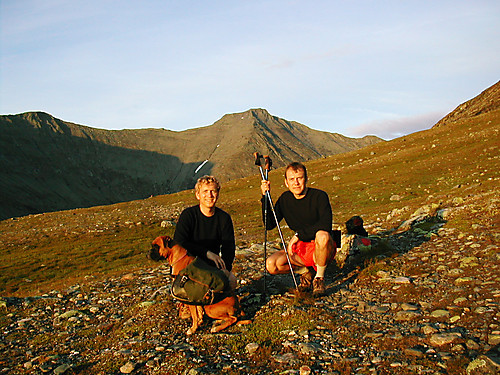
x,y
319,288
306,280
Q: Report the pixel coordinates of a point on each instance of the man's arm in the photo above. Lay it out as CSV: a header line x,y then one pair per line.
x,y
228,244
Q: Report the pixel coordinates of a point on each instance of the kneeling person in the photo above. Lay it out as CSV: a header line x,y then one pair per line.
x,y
308,212
206,231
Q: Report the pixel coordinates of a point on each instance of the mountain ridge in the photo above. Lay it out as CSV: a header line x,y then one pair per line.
x,y
48,164
487,101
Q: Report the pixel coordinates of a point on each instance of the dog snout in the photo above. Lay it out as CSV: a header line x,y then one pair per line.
x,y
154,253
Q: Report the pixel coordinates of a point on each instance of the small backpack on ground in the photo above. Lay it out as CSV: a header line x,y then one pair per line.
x,y
358,244
200,284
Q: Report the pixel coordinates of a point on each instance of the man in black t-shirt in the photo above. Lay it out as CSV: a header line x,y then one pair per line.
x,y
308,212
206,231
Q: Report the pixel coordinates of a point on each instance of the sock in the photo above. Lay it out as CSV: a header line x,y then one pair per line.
x,y
320,271
301,270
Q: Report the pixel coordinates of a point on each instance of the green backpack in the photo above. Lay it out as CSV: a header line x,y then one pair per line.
x,y
200,284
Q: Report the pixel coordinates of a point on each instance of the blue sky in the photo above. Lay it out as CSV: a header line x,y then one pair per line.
x,y
387,68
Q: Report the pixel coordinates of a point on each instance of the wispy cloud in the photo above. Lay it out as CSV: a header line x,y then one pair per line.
x,y
397,126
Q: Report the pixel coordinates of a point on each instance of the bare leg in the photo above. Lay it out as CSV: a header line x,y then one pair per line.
x,y
277,263
324,250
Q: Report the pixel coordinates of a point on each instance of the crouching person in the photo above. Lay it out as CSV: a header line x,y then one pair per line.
x,y
308,212
206,231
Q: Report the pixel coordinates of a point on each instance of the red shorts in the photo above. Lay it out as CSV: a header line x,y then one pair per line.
x,y
305,250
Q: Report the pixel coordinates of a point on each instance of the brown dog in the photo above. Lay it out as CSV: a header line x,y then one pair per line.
x,y
224,311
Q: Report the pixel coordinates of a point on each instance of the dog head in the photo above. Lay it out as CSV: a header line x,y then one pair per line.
x,y
160,248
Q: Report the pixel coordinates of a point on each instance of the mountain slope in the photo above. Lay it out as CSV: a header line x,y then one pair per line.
x,y
47,164
486,101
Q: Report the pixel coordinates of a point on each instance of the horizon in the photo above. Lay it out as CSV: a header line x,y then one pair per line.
x,y
356,68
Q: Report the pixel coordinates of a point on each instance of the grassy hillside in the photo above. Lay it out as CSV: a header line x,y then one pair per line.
x,y
384,183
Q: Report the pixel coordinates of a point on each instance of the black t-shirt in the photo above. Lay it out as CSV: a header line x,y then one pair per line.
x,y
199,234
305,216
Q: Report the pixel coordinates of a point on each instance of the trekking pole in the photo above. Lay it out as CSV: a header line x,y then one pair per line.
x,y
268,198
258,163
267,168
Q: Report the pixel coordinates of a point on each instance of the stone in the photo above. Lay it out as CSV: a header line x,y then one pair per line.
x,y
308,348
128,367
252,347
289,358
464,280
402,280
69,314
407,315
414,352
3,305
409,306
483,365
494,339
472,345
62,369
429,330
440,313
440,339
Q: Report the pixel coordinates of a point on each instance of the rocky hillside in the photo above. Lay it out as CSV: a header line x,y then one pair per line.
x,y
485,102
421,308
47,164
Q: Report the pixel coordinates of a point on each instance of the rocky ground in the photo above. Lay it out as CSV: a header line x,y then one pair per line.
x,y
428,306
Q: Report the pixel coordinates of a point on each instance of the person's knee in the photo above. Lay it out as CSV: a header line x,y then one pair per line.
x,y
271,266
323,238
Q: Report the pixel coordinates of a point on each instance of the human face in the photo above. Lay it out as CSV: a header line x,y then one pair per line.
x,y
207,195
295,181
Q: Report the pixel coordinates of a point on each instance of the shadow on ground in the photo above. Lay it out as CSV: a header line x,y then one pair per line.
x,y
259,291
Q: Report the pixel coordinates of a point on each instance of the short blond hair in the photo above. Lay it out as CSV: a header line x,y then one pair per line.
x,y
206,180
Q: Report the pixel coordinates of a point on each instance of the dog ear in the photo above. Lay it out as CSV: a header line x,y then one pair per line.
x,y
166,241
170,242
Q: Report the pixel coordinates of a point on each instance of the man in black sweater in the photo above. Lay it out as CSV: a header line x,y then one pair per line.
x,y
308,212
206,231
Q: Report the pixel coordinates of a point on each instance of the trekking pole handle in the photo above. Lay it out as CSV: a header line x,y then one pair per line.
x,y
257,157
268,163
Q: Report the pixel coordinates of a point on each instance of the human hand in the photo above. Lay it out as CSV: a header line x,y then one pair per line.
x,y
265,186
219,262
292,242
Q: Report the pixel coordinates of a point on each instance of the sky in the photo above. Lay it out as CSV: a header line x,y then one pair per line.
x,y
357,67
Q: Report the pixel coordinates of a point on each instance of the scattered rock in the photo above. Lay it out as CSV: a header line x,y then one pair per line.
x,y
440,339
252,347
